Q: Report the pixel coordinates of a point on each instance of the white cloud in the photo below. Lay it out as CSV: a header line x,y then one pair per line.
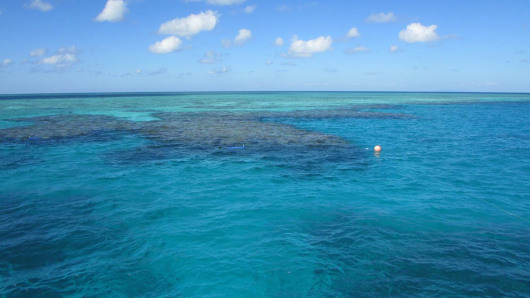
x,y
301,48
416,32
353,33
226,43
250,8
190,25
219,2
38,52
165,46
394,49
5,62
243,36
59,59
40,5
138,71
269,62
114,11
278,41
224,2
210,57
63,58
219,70
358,49
381,17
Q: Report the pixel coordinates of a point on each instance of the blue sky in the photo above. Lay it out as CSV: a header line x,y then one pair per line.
x,y
247,45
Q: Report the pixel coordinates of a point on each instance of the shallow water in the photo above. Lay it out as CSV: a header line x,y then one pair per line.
x,y
265,194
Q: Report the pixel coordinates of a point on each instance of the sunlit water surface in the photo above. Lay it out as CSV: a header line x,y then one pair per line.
x,y
265,194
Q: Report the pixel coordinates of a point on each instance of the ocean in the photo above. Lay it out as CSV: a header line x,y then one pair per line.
x,y
264,194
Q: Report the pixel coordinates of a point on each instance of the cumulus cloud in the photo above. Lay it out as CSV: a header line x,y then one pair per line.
x,y
301,48
358,49
38,52
60,59
224,2
64,57
416,32
353,32
190,25
278,41
114,11
381,17
394,49
40,5
219,70
5,62
167,45
250,8
210,57
242,37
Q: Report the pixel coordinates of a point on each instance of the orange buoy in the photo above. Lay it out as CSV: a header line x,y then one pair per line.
x,y
377,148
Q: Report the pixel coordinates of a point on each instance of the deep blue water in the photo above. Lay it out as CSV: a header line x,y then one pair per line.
x,y
265,195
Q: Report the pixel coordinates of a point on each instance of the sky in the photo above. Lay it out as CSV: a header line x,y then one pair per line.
x,y
55,46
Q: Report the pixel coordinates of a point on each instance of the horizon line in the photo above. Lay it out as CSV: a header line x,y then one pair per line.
x,y
254,91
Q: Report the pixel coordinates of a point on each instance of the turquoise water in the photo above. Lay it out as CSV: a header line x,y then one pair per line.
x,y
265,194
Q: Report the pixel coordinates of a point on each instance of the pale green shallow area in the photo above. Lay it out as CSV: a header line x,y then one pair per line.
x,y
265,195
137,106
